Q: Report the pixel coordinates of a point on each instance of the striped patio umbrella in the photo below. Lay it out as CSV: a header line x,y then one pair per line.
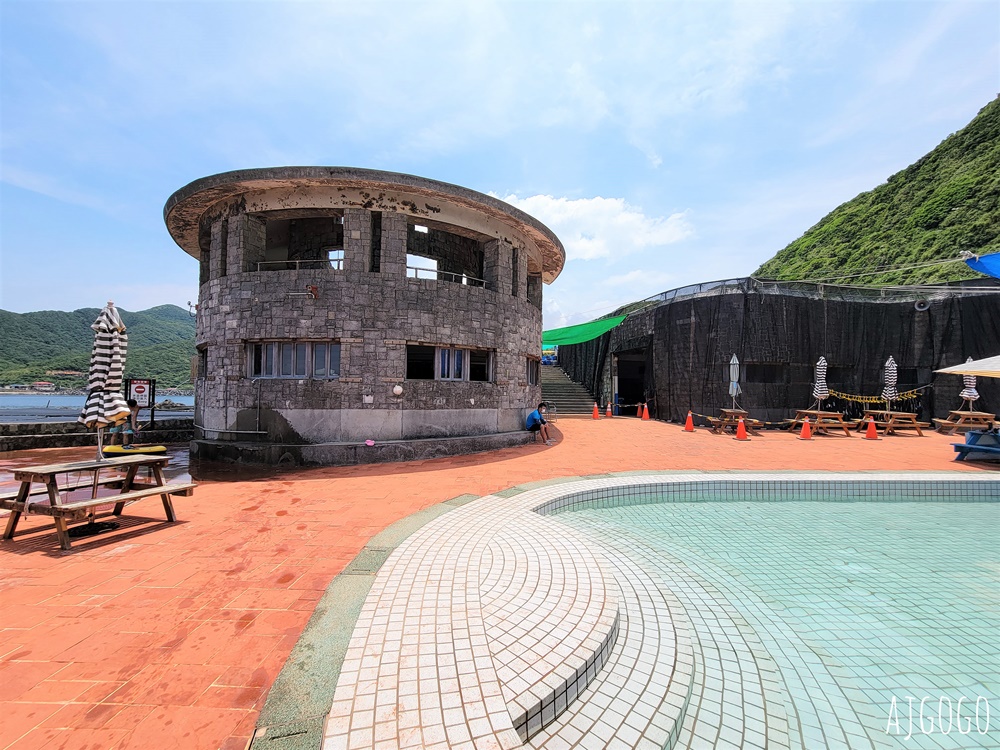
x,y
820,390
969,393
889,391
105,405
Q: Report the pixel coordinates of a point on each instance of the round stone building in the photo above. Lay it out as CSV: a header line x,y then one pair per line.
x,y
339,307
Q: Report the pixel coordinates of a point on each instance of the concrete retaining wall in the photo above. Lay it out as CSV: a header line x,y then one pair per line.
x,y
25,435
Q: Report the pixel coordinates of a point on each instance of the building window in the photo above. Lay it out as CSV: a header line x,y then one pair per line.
x,y
452,364
534,369
513,271
419,362
202,362
336,257
479,366
319,360
448,363
376,226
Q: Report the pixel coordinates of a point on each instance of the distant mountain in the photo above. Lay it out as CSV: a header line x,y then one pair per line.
x,y
946,202
50,345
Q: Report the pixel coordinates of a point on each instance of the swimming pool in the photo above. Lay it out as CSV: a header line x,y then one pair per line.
x,y
730,610
859,611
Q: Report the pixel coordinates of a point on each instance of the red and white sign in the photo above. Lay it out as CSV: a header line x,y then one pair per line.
x,y
141,391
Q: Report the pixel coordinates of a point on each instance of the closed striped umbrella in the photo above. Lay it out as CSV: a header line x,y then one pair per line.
x,y
820,390
889,391
969,393
105,405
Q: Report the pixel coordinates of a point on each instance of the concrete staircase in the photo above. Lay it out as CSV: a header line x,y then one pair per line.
x,y
566,396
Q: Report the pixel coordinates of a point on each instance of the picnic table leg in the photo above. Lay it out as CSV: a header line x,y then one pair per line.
x,y
62,532
168,506
23,493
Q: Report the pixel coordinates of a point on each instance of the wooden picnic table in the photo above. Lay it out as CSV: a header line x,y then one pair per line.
x,y
821,421
41,485
730,419
890,421
965,420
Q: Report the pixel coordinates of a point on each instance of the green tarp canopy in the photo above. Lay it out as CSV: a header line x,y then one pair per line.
x,y
579,333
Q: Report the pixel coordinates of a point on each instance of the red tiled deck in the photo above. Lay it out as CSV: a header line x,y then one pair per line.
x,y
169,636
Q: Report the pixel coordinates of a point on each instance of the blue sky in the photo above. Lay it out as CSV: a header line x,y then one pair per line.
x,y
665,143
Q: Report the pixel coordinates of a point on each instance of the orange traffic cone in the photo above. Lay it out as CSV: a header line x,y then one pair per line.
x,y
806,433
689,423
872,432
607,412
597,414
645,412
638,411
741,431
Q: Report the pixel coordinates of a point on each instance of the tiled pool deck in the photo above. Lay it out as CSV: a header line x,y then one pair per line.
x,y
172,636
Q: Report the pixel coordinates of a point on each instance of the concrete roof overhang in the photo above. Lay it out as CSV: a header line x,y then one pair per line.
x,y
185,209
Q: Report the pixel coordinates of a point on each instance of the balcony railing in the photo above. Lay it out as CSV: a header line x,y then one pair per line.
x,y
429,274
297,265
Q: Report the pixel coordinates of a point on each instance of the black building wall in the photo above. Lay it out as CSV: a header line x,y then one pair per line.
x,y
779,337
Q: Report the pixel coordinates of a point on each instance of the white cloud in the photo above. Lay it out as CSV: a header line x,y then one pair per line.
x,y
53,187
642,279
599,227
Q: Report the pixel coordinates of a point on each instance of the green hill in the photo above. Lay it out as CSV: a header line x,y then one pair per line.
x,y
946,202
34,345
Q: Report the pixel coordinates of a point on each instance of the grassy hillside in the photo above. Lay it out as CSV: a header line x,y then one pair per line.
x,y
946,202
33,345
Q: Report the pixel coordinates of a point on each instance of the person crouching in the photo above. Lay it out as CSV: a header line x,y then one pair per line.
x,y
536,423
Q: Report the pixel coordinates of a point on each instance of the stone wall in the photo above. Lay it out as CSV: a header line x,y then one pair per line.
x,y
25,435
373,315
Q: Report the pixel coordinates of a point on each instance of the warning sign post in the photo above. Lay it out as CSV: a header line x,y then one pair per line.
x,y
144,393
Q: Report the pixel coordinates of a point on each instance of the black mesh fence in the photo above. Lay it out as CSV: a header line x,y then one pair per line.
x,y
779,331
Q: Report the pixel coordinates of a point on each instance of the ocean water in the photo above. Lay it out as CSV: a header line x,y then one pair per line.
x,y
21,401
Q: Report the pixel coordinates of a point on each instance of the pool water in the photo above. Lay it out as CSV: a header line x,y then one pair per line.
x,y
827,624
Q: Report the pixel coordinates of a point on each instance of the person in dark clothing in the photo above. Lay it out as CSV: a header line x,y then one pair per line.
x,y
536,423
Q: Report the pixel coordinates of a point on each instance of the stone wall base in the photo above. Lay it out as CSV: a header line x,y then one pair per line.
x,y
19,436
348,454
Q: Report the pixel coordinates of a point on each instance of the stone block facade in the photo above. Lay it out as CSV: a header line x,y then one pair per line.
x,y
265,237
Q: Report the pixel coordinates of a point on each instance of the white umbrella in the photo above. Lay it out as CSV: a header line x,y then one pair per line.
x,y
820,390
984,368
105,405
889,392
734,379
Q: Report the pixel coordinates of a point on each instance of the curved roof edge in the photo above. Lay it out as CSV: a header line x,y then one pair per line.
x,y
185,207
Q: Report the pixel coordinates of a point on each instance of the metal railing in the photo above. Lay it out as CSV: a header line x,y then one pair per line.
x,y
297,265
429,274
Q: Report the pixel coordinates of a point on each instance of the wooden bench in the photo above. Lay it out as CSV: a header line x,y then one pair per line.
x,y
79,510
947,426
80,484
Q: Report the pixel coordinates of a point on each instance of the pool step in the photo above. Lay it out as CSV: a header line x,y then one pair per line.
x,y
478,630
643,695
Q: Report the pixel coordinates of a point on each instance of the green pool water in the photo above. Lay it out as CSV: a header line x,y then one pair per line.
x,y
840,617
